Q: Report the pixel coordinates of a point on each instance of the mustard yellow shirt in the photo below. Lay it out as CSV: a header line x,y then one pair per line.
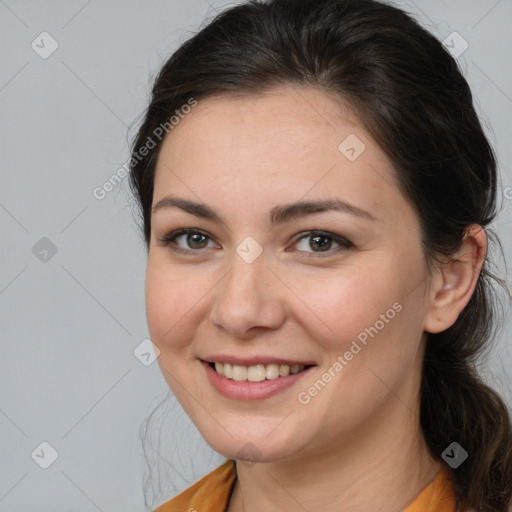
x,y
212,493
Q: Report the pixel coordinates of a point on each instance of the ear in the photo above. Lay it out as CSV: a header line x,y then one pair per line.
x,y
454,281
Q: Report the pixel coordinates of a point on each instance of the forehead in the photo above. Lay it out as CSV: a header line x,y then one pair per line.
x,y
289,140
278,118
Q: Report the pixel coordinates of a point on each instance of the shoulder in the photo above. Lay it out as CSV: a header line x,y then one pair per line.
x,y
438,496
210,494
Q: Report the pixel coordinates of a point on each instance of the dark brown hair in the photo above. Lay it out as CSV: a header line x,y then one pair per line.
x,y
414,101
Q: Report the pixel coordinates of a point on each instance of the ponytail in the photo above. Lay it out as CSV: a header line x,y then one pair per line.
x,y
456,406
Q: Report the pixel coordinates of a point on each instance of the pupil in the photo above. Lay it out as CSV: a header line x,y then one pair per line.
x,y
318,244
195,238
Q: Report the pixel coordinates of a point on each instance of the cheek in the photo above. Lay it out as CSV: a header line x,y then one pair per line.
x,y
173,304
371,337
370,304
345,304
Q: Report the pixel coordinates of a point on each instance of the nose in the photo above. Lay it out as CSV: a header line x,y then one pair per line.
x,y
249,299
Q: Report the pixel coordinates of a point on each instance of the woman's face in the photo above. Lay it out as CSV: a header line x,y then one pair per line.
x,y
269,279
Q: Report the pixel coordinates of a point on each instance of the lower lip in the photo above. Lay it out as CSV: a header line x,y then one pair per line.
x,y
246,390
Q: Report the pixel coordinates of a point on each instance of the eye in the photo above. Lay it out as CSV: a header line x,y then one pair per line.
x,y
321,242
312,242
186,239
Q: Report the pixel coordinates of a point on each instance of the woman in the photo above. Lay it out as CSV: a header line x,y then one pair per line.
x,y
315,189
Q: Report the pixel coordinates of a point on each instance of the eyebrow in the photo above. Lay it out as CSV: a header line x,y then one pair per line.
x,y
282,214
278,215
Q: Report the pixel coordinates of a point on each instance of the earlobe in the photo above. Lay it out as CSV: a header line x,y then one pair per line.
x,y
456,280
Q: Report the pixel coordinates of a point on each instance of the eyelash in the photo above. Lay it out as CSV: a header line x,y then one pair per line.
x,y
344,244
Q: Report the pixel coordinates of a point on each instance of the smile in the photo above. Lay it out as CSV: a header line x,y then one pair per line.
x,y
258,372
255,382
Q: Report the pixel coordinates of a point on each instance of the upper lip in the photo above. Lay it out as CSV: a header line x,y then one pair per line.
x,y
252,361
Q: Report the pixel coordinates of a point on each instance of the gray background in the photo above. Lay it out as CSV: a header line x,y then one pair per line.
x,y
70,323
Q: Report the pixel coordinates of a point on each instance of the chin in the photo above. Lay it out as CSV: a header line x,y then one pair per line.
x,y
252,448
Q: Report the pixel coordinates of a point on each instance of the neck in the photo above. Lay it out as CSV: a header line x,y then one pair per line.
x,y
386,462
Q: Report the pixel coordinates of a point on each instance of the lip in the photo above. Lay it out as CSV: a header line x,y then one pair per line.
x,y
246,390
252,361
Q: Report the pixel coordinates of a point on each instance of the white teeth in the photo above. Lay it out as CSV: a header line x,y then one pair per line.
x,y
239,372
284,370
258,372
272,371
227,370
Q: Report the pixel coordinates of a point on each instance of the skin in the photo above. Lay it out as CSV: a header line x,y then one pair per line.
x,y
358,441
